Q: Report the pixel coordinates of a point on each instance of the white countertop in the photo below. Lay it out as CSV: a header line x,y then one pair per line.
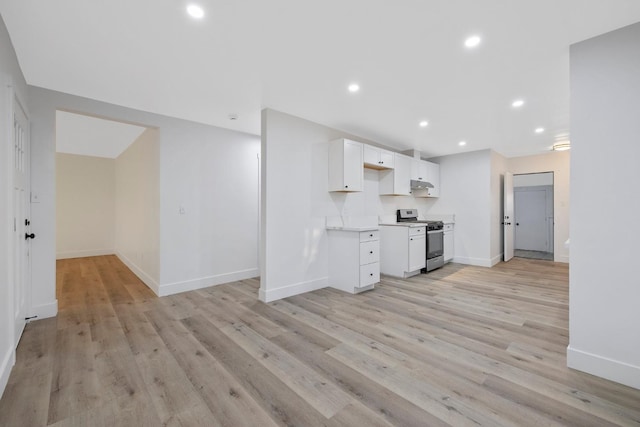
x,y
404,224
350,228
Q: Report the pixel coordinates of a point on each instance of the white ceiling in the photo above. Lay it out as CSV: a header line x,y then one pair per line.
x,y
92,136
298,57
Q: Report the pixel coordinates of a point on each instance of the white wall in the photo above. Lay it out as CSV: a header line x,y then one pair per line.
x,y
296,202
136,208
10,75
604,286
85,205
533,179
211,171
465,190
558,163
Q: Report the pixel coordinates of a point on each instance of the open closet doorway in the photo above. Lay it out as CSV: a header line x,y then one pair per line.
x,y
107,191
533,212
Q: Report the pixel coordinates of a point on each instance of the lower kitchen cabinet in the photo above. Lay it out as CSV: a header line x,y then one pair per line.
x,y
448,242
354,259
403,250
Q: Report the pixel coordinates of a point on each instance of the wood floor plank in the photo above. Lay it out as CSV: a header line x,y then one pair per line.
x,y
223,394
282,404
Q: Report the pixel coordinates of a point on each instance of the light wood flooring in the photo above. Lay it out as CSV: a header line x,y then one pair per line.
x,y
461,346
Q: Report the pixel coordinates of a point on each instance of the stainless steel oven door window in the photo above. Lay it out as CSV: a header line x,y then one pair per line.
x,y
435,244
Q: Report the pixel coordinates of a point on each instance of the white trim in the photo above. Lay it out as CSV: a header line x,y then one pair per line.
x,y
604,367
86,253
146,279
291,290
480,262
44,311
5,369
561,258
497,259
205,282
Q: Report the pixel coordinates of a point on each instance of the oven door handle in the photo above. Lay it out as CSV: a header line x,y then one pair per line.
x,y
435,231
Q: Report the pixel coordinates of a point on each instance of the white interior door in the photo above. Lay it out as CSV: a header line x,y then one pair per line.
x,y
531,220
508,216
21,204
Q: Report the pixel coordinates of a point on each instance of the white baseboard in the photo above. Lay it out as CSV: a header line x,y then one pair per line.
x,y
8,361
496,259
83,254
604,367
291,290
561,258
480,262
44,311
205,282
146,279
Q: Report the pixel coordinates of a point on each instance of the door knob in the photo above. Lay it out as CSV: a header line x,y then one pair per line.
x,y
517,223
29,236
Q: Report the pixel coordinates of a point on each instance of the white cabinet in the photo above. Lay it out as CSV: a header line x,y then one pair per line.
x,y
397,181
354,260
419,170
403,250
448,242
433,176
377,158
424,171
345,165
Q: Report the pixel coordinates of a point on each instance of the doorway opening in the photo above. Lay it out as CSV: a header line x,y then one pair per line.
x,y
107,191
533,213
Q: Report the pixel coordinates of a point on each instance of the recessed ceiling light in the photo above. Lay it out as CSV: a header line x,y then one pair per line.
x,y
195,11
517,103
462,143
354,87
539,130
424,124
472,41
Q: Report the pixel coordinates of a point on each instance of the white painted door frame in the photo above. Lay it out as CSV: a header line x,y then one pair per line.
x,y
508,218
20,199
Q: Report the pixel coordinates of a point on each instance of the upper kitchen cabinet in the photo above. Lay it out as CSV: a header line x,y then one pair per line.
x,y
345,165
433,176
419,170
377,158
424,171
397,181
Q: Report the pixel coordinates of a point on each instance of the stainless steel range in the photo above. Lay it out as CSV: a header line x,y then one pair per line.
x,y
435,237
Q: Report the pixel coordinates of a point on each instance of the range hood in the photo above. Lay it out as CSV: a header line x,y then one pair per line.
x,y
420,185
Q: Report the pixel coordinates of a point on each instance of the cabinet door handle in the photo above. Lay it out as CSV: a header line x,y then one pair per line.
x,y
371,274
346,186
370,252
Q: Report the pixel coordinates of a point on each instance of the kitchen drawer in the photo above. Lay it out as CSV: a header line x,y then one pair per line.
x,y
366,236
417,231
448,227
369,252
369,274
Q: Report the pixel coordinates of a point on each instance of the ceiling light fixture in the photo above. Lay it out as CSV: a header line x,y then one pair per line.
x,y
517,103
233,116
539,130
424,124
195,11
561,146
472,42
354,87
462,143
